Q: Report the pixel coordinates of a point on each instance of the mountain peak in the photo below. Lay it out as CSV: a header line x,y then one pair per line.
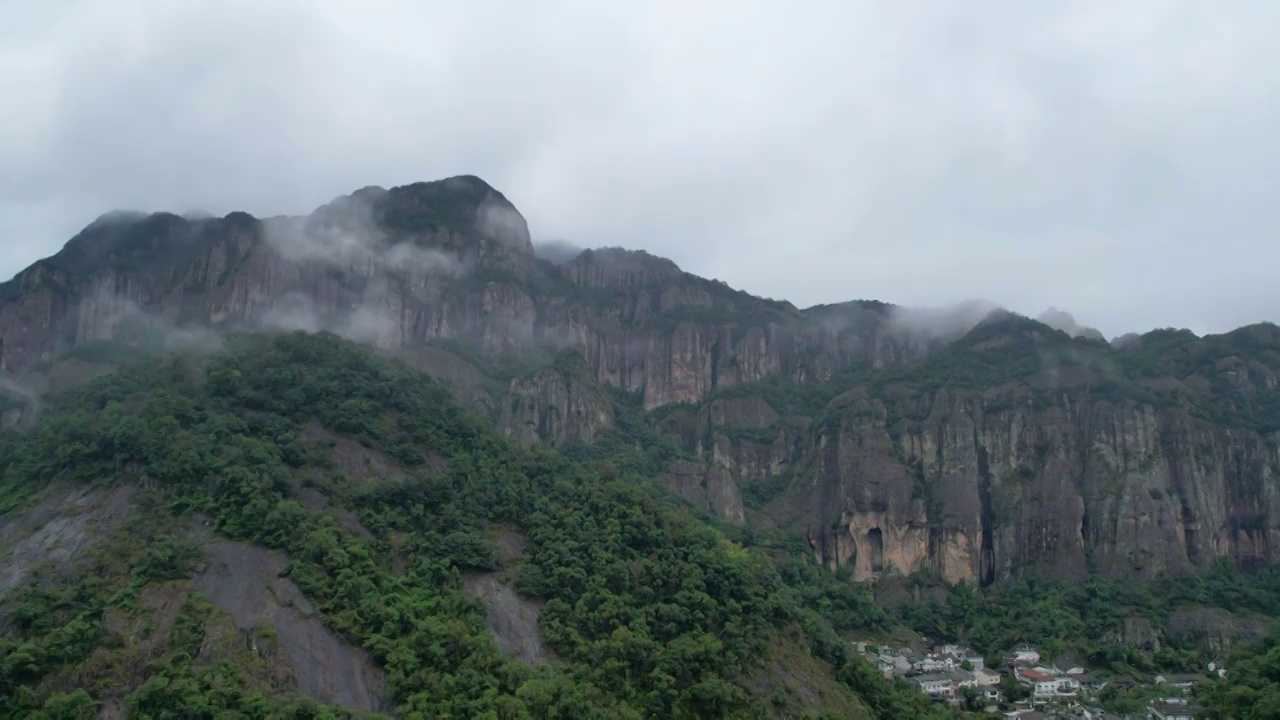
x,y
463,206
618,267
1062,320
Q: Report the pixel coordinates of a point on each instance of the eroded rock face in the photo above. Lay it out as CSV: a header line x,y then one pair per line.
x,y
556,405
512,619
1136,632
1215,630
746,437
59,528
982,488
397,268
464,379
245,581
361,465
710,488
374,266
976,484
737,440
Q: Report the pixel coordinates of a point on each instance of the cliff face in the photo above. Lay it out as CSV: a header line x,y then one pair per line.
x,y
376,266
746,437
399,268
708,487
979,484
888,440
976,494
556,405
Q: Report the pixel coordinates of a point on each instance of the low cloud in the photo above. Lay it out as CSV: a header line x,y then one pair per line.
x,y
367,323
346,235
410,259
118,319
1076,365
12,389
1018,131
503,223
292,311
940,323
370,326
557,252
1062,320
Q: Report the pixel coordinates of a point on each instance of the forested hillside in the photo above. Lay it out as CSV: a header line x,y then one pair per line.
x,y
479,483
646,611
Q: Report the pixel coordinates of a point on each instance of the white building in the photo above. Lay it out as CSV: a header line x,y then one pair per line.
x,y
963,653
1046,685
931,664
1166,710
936,685
1026,654
901,663
1183,682
986,678
962,679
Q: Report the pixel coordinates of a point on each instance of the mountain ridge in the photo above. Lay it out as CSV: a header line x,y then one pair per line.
x,y
608,271
446,273
470,466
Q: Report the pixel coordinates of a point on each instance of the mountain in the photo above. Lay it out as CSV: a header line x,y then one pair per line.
x,y
289,520
920,439
963,444
398,268
1018,448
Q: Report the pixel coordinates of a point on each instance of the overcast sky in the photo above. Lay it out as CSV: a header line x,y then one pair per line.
x,y
1116,159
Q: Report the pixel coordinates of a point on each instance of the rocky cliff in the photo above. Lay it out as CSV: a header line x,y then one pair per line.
x,y
891,439
1079,462
556,404
398,268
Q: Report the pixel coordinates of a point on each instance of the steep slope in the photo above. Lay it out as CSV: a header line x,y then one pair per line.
x,y
397,268
892,439
330,486
1018,447
556,404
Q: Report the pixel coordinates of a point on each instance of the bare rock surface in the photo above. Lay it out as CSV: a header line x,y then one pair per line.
x,y
244,581
512,619
58,528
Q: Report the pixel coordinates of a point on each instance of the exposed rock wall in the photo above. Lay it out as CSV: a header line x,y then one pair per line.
x,y
977,483
745,436
244,581
710,488
556,405
512,619
979,489
430,261
58,529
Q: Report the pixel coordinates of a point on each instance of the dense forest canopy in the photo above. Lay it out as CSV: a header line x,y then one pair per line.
x,y
651,611
652,607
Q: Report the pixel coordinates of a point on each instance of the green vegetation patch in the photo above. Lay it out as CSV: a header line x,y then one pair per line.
x,y
654,612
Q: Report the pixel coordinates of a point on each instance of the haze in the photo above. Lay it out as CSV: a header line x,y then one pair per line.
x,y
1111,159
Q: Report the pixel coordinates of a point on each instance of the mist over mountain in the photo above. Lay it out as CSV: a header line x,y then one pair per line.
x,y
866,442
